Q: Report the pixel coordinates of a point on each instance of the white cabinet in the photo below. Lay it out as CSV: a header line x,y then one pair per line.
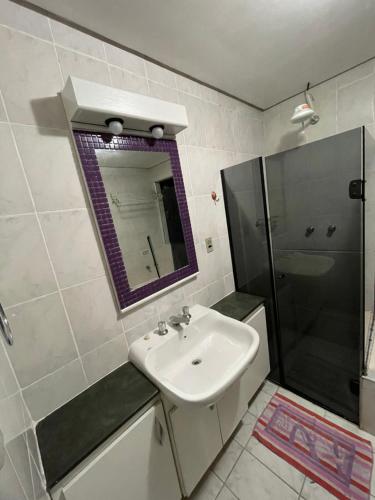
x,y
197,438
138,465
233,405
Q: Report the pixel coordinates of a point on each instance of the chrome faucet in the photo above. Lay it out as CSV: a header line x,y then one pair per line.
x,y
181,318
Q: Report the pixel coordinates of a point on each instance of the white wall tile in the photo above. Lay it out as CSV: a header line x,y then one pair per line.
x,y
356,104
160,75
162,92
92,313
19,455
3,117
81,66
43,341
77,40
10,486
8,381
125,80
54,390
12,417
105,358
14,195
73,247
50,167
354,74
30,88
22,278
126,60
23,19
195,134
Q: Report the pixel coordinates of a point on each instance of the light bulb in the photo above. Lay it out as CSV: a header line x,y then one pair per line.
x,y
115,125
157,131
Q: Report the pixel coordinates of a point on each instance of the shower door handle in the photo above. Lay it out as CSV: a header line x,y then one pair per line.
x,y
5,327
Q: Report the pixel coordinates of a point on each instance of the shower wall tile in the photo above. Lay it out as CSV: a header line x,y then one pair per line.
x,y
37,352
361,71
22,278
356,104
28,87
14,195
81,66
92,313
47,154
73,39
73,247
52,391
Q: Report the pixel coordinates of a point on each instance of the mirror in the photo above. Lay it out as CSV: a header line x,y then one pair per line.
x,y
137,193
143,203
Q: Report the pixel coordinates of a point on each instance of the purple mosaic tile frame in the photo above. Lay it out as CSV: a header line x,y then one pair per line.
x,y
87,143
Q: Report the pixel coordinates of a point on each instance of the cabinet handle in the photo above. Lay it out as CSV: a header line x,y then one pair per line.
x,y
159,431
5,327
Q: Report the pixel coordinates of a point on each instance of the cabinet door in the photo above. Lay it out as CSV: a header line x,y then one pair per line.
x,y
257,372
197,437
138,465
233,405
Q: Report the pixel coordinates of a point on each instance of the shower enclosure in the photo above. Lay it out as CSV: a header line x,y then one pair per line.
x,y
313,233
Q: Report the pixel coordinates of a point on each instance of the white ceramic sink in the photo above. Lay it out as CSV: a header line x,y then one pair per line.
x,y
195,364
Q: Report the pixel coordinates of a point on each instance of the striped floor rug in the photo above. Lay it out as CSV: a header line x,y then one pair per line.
x,y
337,459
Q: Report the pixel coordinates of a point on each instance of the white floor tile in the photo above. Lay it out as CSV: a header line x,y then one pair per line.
x,y
244,430
280,467
226,494
270,387
226,460
251,480
208,489
259,403
313,491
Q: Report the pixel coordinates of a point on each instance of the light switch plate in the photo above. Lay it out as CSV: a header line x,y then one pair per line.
x,y
209,245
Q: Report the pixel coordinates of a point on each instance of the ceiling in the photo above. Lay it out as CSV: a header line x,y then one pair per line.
x,y
261,51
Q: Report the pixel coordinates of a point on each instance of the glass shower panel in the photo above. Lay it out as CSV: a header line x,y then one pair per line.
x,y
316,229
245,211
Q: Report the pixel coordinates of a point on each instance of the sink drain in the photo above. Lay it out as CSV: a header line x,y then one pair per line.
x,y
197,361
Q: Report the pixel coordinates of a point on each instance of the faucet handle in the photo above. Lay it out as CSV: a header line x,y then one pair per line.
x,y
162,328
186,312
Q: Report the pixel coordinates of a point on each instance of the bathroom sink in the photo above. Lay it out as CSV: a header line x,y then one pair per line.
x,y
195,364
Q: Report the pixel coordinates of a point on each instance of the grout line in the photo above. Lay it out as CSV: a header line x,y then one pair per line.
x,y
273,472
44,241
48,375
55,51
303,485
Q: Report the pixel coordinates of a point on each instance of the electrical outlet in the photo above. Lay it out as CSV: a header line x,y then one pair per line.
x,y
209,245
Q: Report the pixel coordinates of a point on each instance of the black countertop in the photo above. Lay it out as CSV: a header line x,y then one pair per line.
x,y
238,305
72,432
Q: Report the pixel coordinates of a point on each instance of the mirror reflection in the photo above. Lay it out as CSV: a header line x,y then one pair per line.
x,y
142,198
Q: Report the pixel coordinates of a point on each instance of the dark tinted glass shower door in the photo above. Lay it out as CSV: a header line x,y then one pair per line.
x,y
316,227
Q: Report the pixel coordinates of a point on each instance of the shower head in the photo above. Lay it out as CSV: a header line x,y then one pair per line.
x,y
305,112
